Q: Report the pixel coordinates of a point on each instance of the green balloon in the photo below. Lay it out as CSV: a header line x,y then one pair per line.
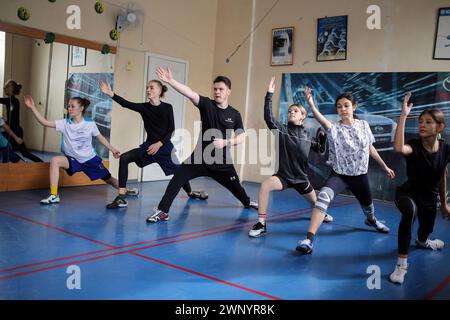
x,y
49,37
106,49
23,13
99,7
114,34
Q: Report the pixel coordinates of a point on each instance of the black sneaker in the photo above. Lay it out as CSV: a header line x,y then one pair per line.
x,y
257,230
202,195
133,192
119,202
252,205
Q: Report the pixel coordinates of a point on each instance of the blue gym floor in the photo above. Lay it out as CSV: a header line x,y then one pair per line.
x,y
203,251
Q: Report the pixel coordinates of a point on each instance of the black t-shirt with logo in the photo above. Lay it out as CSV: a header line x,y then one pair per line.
x,y
425,170
216,123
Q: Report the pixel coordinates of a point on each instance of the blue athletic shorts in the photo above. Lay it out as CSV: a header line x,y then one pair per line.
x,y
93,168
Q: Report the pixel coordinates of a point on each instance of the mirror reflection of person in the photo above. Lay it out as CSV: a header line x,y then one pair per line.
x,y
11,90
7,154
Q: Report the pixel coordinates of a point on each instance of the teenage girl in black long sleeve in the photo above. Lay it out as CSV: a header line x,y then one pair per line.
x,y
159,126
294,144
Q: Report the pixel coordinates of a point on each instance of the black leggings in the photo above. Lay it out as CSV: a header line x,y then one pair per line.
x,y
226,176
358,185
135,155
410,209
336,183
8,155
22,148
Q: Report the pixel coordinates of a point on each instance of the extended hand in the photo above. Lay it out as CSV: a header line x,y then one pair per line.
x,y
308,95
29,102
106,88
406,108
164,75
271,87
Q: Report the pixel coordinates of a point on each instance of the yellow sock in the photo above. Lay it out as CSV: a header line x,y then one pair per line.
x,y
54,190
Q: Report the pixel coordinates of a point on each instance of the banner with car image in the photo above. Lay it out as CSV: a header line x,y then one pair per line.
x,y
87,85
379,97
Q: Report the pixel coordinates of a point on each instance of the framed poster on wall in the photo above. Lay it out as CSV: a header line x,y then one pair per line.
x,y
78,56
442,38
282,46
332,38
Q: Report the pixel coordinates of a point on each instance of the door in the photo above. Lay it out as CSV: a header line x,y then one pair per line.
x,y
179,70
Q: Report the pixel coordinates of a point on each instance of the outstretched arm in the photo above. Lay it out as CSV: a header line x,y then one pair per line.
x,y
319,117
374,154
103,141
268,115
29,102
106,89
399,140
165,75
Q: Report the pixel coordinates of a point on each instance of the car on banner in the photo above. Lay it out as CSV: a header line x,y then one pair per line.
x,y
383,128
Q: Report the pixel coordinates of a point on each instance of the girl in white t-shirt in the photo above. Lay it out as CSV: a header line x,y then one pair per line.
x,y
79,154
350,142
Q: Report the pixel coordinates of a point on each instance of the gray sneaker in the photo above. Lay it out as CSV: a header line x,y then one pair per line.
x,y
157,216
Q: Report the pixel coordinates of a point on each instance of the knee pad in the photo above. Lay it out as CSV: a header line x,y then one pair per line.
x,y
324,198
368,210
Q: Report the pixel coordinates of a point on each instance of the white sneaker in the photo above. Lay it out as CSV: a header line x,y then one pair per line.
x,y
378,225
304,246
328,218
398,276
252,205
257,230
434,244
50,199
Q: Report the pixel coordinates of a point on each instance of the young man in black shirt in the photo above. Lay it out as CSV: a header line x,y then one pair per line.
x,y
211,156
